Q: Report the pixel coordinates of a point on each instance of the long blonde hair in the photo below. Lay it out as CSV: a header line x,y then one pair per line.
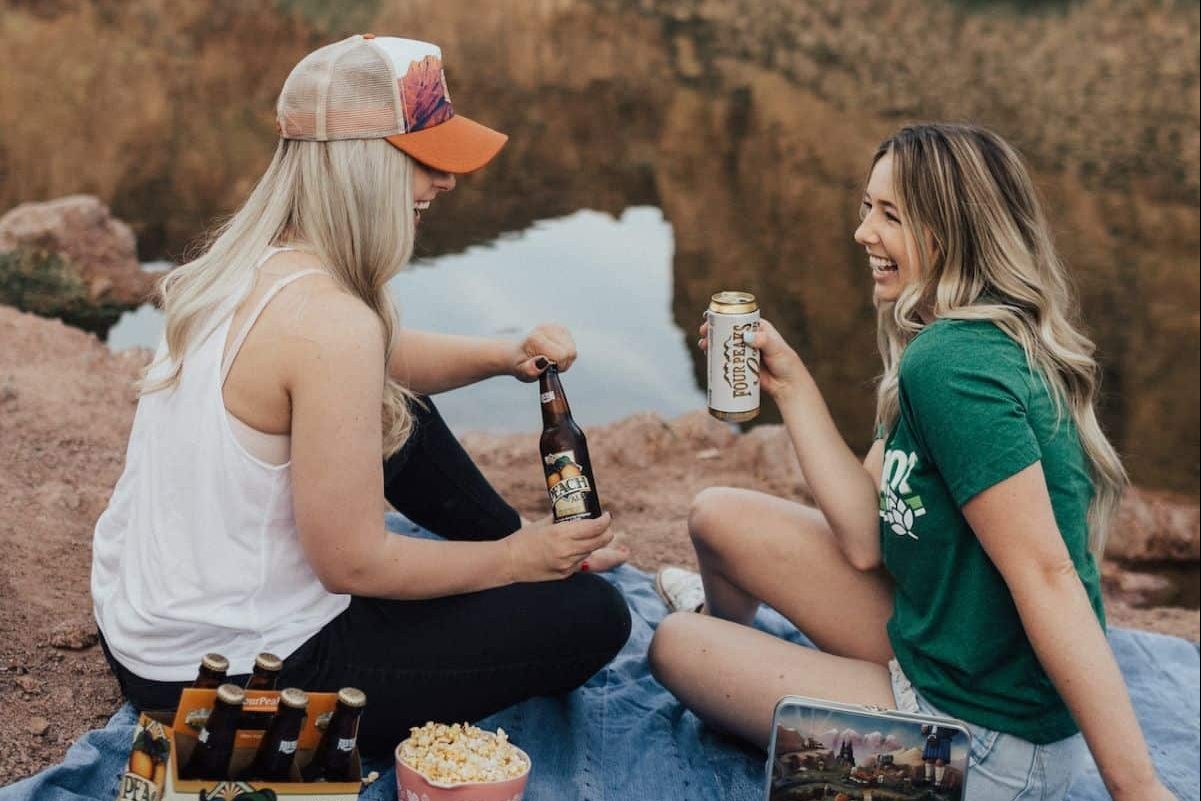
x,y
984,252
349,202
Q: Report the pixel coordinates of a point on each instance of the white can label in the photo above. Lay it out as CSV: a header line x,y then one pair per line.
x,y
733,365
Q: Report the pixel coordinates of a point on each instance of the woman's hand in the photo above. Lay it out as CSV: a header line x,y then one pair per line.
x,y
545,551
780,368
549,342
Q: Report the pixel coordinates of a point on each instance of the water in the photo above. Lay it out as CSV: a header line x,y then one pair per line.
x,y
608,279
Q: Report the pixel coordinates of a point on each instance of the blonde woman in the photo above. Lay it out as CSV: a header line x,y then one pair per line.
x,y
954,571
249,516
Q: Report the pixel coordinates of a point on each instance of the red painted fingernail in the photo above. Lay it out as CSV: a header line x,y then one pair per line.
x,y
584,567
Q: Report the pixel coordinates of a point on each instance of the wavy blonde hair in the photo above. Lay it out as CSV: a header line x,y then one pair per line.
x,y
348,202
984,252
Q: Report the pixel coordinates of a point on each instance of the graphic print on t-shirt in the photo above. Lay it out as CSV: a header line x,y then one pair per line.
x,y
900,506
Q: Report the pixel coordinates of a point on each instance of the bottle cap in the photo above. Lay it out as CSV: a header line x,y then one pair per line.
x,y
215,662
295,698
268,661
352,697
231,694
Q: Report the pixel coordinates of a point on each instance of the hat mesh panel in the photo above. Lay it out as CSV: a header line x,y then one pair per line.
x,y
348,85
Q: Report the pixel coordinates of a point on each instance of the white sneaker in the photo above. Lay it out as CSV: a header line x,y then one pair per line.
x,y
682,590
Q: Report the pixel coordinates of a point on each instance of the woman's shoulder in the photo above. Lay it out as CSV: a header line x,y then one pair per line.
x,y
317,313
952,346
317,303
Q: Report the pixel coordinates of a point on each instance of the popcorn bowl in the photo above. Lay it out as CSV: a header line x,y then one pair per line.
x,y
412,785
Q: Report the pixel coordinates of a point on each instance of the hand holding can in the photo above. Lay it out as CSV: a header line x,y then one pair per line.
x,y
780,369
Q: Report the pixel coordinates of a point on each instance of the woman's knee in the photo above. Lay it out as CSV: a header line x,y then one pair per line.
x,y
604,615
709,516
669,646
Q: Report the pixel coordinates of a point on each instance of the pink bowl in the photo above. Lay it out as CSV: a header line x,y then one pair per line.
x,y
413,786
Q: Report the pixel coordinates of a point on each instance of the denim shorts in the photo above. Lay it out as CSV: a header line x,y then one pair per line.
x,y
1003,767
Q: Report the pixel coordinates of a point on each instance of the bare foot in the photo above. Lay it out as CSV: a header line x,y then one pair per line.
x,y
607,558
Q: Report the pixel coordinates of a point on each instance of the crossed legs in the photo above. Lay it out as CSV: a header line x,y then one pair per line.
x,y
755,548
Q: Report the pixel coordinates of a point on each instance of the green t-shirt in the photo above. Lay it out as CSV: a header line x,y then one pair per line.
x,y
972,414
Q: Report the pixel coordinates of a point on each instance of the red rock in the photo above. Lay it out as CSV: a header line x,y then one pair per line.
x,y
1140,590
770,450
74,636
81,228
1154,527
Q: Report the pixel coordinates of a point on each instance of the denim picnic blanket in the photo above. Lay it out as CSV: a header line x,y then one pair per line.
x,y
623,737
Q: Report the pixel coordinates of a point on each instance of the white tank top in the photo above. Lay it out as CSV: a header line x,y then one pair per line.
x,y
198,549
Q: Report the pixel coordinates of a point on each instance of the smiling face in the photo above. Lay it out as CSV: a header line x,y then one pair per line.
x,y
889,241
428,183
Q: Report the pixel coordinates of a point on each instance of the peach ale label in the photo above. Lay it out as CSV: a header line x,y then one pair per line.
x,y
567,486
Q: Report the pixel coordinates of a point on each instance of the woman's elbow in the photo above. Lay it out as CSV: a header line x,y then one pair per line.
x,y
337,583
342,577
1044,577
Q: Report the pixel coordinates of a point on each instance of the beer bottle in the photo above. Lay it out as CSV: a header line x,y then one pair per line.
x,y
266,672
331,760
273,761
211,675
215,745
569,479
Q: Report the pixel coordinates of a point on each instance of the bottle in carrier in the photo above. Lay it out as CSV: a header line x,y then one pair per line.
x,y
331,760
211,674
569,479
277,751
215,745
266,672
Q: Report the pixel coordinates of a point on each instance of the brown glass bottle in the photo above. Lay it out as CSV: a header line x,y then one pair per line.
x,y
569,478
215,745
266,672
331,760
273,761
211,674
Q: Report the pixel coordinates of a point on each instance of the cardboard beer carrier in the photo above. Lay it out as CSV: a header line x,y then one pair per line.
x,y
152,773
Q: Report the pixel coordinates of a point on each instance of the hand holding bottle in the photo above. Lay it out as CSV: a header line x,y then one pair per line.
x,y
546,551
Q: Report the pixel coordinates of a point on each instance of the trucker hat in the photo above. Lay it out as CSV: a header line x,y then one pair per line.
x,y
383,87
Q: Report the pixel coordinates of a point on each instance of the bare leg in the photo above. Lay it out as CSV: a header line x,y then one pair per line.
x,y
731,676
756,548
753,547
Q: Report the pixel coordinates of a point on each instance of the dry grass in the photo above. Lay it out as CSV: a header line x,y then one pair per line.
x,y
142,103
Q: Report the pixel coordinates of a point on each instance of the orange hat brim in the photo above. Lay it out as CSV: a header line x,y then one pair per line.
x,y
458,145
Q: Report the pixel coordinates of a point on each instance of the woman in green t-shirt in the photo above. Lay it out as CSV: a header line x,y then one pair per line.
x,y
953,571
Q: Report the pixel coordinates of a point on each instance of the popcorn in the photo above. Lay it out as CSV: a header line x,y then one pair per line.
x,y
462,753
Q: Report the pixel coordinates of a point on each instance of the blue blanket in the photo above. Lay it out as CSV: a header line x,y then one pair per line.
x,y
622,736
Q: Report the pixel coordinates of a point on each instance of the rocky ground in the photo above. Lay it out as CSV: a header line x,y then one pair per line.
x,y
65,410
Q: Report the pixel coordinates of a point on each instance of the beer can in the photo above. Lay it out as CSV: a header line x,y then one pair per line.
x,y
733,365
